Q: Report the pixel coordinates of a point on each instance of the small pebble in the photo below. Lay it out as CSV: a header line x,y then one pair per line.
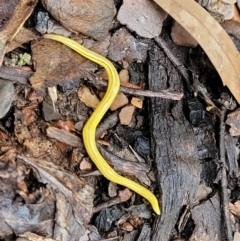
x,y
119,101
181,37
126,114
85,165
137,102
48,112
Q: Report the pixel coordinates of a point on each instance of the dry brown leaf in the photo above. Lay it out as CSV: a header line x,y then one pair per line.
x,y
56,63
23,36
212,38
87,97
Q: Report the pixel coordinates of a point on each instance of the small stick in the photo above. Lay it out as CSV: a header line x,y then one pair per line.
x,y
166,94
225,199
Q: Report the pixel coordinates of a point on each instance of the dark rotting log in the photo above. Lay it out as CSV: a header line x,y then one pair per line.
x,y
185,155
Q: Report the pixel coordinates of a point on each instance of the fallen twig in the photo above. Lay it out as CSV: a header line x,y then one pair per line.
x,y
166,94
15,74
225,198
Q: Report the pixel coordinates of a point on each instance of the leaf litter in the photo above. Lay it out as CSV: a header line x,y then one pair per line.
x,y
46,173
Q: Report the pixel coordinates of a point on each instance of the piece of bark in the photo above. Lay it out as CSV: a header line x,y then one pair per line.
x,y
15,74
176,151
120,165
123,166
207,216
64,136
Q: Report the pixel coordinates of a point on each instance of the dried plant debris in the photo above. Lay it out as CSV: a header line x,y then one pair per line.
x,y
217,45
45,171
221,9
28,236
72,195
19,15
23,208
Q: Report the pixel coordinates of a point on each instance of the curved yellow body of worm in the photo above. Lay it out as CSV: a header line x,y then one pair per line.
x,y
89,129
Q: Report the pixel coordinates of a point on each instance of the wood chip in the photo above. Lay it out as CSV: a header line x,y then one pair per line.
x,y
235,208
119,101
137,102
126,114
87,97
127,226
85,165
104,143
